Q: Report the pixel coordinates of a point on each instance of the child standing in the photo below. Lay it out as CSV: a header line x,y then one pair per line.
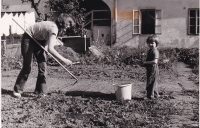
x,y
151,65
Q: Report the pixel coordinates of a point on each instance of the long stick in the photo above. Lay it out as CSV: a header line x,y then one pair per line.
x,y
46,51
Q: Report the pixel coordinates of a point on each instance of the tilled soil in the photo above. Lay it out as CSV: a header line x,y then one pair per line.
x,y
91,102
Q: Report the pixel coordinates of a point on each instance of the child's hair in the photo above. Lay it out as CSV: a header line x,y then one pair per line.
x,y
64,19
153,38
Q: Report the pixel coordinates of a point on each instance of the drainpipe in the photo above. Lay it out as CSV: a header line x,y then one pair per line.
x,y
115,21
115,11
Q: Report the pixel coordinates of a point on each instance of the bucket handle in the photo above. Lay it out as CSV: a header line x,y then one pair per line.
x,y
123,85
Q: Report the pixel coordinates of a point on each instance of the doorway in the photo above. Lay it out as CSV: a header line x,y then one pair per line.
x,y
98,21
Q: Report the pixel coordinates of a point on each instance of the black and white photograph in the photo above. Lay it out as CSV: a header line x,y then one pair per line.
x,y
99,63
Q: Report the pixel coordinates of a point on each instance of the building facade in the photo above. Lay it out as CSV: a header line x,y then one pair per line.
x,y
176,22
130,22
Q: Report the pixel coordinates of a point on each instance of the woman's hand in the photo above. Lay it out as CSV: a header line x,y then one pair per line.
x,y
67,61
58,42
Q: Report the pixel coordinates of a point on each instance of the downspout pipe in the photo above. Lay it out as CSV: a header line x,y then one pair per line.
x,y
115,21
115,11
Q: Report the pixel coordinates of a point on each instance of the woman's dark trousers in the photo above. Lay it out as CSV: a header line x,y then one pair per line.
x,y
28,49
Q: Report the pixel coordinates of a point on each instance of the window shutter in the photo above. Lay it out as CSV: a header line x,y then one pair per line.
x,y
193,21
158,16
136,22
197,29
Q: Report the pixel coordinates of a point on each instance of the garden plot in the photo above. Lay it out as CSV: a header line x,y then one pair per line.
x,y
92,102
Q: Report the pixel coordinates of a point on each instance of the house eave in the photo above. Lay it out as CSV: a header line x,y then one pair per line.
x,y
16,8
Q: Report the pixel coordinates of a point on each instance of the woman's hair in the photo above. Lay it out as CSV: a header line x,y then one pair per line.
x,y
63,20
153,38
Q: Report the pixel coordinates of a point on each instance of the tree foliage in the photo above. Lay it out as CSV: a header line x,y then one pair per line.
x,y
35,6
71,7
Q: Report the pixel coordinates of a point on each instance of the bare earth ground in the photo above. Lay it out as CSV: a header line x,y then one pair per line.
x,y
96,85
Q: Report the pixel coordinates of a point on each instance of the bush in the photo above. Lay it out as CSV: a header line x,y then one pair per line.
x,y
10,63
127,56
134,56
189,56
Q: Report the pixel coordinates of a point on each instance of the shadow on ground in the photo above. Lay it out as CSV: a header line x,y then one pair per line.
x,y
86,94
6,92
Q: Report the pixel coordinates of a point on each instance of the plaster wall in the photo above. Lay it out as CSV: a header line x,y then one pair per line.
x,y
12,2
15,6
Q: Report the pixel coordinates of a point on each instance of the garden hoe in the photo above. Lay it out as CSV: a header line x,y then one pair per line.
x,y
50,53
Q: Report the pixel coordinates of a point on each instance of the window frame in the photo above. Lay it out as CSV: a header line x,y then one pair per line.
x,y
196,21
157,22
157,18
139,21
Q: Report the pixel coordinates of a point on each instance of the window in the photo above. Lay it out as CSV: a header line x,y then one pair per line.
x,y
193,22
147,21
136,22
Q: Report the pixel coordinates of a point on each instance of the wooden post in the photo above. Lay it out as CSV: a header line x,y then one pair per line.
x,y
85,42
3,43
92,25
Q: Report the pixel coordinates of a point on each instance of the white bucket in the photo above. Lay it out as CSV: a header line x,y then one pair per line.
x,y
123,92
